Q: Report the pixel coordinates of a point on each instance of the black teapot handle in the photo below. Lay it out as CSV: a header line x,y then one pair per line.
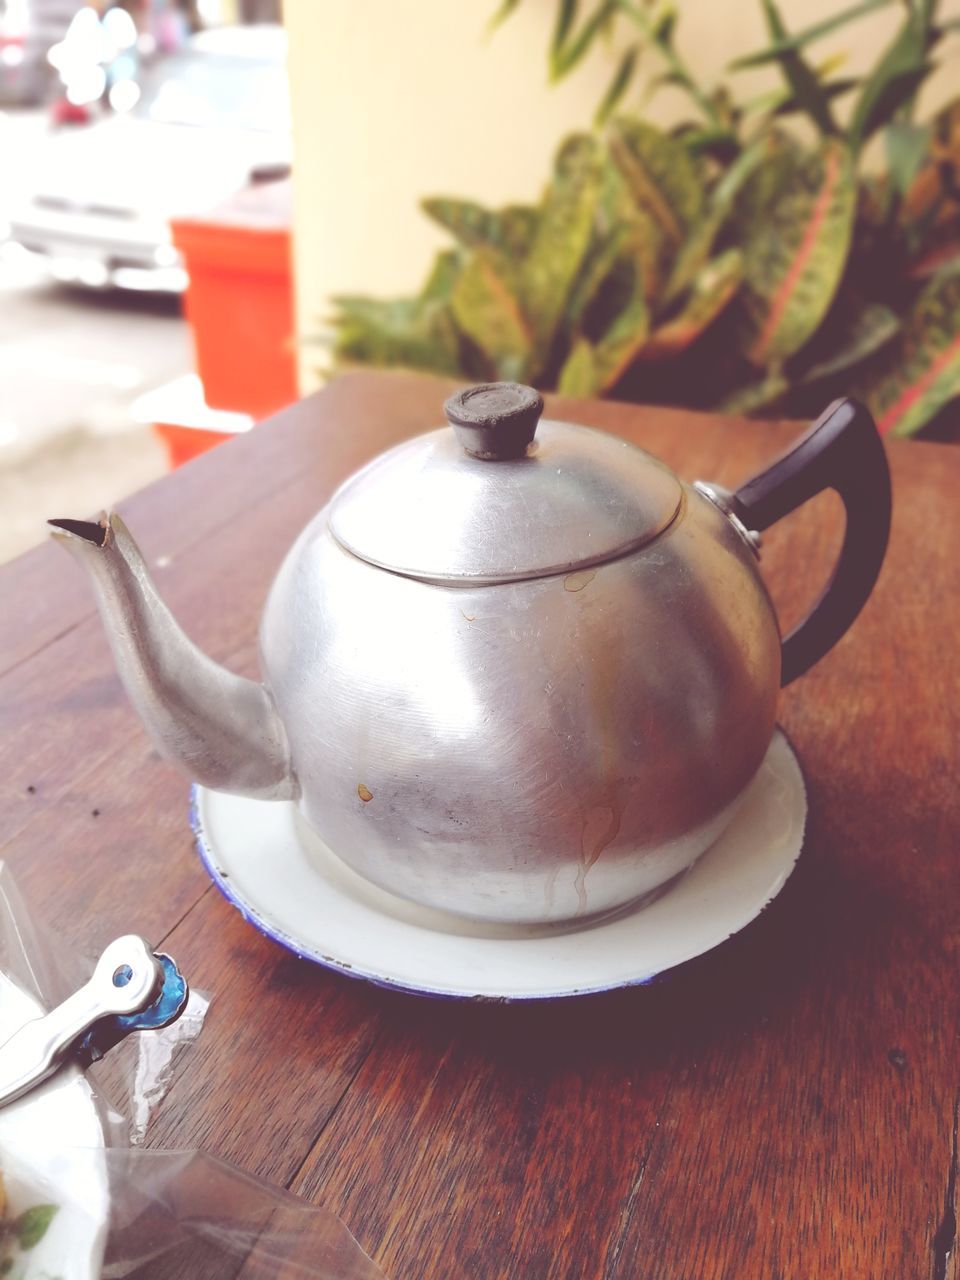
x,y
841,451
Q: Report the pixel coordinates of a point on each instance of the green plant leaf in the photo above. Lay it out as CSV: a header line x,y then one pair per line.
x,y
563,58
513,228
943,257
736,176
783,101
31,1226
712,290
510,229
442,277
929,212
895,77
696,250
400,333
790,104
618,85
716,140
926,377
898,94
502,13
621,234
566,15
802,79
773,175
808,35
871,328
615,351
906,146
467,221
693,256
660,174
578,377
597,266
795,257
636,231
487,309
756,396
664,25
561,241
664,80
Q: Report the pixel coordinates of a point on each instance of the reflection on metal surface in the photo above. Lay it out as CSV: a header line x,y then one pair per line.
x,y
538,749
428,510
722,498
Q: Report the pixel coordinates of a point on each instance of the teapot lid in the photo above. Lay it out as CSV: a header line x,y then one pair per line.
x,y
488,503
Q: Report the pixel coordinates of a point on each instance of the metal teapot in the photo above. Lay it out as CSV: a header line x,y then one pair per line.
x,y
515,670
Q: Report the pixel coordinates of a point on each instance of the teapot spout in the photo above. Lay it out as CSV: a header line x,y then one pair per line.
x,y
221,728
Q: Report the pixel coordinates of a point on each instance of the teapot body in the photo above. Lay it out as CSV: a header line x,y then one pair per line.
x,y
523,680
528,751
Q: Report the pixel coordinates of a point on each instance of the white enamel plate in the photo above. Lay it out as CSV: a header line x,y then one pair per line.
x,y
285,881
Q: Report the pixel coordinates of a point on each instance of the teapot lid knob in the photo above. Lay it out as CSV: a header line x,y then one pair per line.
x,y
495,420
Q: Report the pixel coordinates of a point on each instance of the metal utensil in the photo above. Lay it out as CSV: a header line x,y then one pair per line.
x,y
131,989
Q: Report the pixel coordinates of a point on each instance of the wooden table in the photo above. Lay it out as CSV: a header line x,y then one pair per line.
x,y
785,1107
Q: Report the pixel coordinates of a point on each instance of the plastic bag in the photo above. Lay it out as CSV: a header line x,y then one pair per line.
x,y
178,1214
78,1201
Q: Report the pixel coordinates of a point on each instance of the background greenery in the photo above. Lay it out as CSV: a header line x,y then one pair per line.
x,y
747,259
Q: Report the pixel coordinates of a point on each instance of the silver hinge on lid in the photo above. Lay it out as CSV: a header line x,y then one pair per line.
x,y
723,499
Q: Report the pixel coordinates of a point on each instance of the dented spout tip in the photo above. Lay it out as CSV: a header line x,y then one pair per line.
x,y
89,530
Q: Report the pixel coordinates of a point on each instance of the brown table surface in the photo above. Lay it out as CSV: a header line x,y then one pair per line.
x,y
785,1107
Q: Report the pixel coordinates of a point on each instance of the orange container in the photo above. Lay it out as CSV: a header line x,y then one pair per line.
x,y
184,443
239,300
184,422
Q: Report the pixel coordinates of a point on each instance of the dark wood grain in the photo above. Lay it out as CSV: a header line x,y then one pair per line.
x,y
784,1107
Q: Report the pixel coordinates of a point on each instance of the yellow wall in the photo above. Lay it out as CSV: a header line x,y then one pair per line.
x,y
397,99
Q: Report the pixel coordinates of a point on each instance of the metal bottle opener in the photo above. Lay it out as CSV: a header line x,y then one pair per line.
x,y
131,989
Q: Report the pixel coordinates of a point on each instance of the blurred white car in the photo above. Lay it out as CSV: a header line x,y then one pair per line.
x,y
209,120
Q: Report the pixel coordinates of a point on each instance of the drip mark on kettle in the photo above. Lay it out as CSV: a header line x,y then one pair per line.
x,y
550,892
577,581
580,884
601,826
365,794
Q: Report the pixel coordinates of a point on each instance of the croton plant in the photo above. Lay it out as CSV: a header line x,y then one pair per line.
x,y
732,262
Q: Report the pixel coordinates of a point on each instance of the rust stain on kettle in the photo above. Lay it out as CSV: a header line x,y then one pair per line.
x,y
365,794
577,581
